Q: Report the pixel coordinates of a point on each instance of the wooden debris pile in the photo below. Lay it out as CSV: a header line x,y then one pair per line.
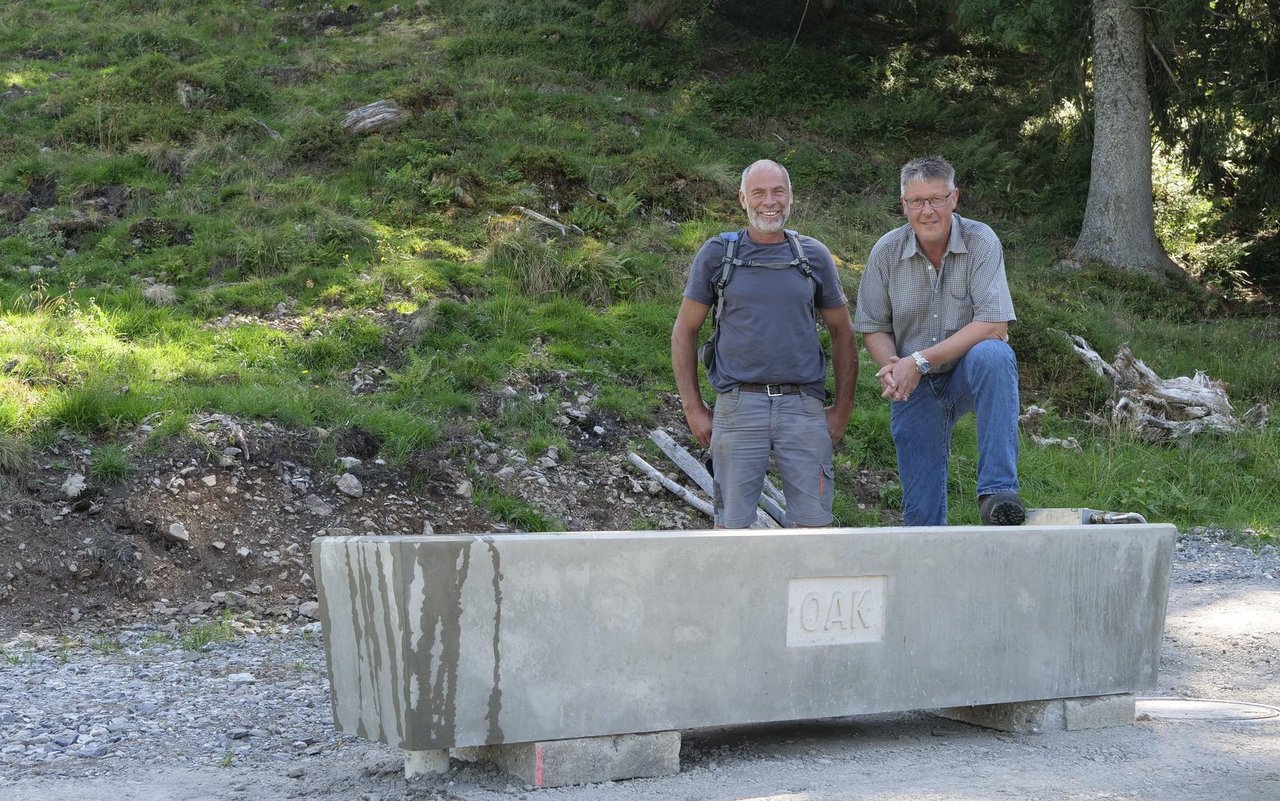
x,y
1161,410
770,514
1030,421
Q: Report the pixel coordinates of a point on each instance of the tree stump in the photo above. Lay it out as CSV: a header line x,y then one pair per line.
x,y
1162,410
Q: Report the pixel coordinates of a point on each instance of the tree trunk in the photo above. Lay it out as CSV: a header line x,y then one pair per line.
x,y
1119,219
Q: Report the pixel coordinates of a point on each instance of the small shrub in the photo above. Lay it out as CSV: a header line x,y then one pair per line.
x,y
111,464
198,637
15,454
160,295
314,138
515,511
15,657
81,410
891,496
652,15
1158,500
105,645
527,259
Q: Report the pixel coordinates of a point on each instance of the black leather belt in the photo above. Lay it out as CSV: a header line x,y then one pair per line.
x,y
773,390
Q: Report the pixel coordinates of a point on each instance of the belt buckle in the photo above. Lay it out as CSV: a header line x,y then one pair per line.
x,y
768,389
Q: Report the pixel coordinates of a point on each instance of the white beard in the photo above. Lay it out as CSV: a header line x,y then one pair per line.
x,y
768,225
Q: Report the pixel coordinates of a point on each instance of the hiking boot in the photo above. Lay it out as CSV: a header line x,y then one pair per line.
x,y
1002,509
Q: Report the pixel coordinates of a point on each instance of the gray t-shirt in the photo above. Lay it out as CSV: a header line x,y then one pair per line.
x,y
902,294
768,329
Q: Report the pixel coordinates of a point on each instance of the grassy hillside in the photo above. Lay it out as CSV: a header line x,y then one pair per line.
x,y
186,226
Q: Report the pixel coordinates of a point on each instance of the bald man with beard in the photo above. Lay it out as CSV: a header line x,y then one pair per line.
x,y
769,371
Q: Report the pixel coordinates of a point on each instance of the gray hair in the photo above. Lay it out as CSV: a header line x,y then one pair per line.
x,y
927,168
742,185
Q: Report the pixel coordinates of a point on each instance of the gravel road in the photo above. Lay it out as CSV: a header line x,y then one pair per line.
x,y
131,715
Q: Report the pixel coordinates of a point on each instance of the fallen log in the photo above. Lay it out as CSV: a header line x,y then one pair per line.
x,y
680,492
772,492
545,220
1159,409
693,468
683,459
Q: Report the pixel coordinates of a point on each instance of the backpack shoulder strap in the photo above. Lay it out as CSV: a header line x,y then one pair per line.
x,y
800,260
727,263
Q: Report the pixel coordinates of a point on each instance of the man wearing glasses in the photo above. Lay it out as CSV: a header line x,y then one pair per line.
x,y
934,310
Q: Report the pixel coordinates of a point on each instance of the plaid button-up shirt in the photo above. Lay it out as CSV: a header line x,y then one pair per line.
x,y
901,292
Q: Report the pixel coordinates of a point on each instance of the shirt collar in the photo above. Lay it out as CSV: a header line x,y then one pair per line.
x,y
955,241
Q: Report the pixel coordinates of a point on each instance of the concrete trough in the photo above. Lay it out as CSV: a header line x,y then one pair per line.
x,y
455,642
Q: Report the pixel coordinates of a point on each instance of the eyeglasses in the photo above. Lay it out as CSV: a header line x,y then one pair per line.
x,y
917,203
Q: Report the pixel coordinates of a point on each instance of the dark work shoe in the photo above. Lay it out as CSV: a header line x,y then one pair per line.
x,y
1002,509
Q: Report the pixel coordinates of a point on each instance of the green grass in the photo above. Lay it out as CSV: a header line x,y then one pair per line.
x,y
512,510
155,640
105,645
111,464
16,657
298,260
14,454
1219,482
221,631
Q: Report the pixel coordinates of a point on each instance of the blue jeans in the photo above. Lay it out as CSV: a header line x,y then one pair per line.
x,y
985,382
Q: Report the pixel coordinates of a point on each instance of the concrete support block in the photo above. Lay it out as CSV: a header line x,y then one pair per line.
x,y
1099,712
1059,714
425,763
583,760
472,753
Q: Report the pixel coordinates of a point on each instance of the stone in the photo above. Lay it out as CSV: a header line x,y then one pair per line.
x,y
313,504
230,598
74,486
350,485
381,115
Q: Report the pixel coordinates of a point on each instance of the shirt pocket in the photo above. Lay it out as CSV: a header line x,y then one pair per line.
x,y
958,313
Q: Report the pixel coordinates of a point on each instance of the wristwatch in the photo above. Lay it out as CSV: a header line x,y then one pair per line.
x,y
922,364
